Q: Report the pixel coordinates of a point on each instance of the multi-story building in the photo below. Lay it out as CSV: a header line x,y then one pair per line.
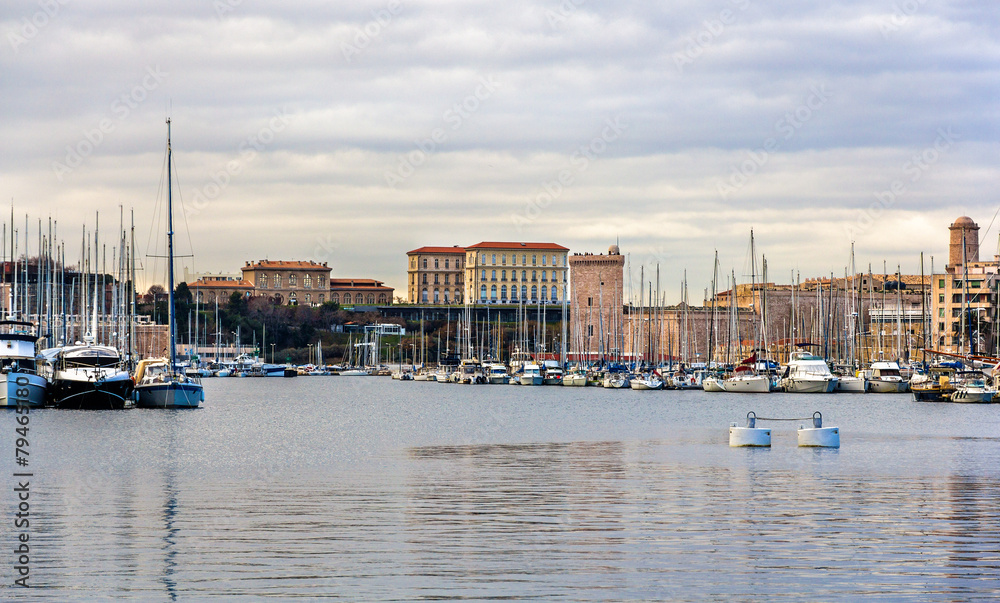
x,y
512,272
360,291
289,282
597,285
211,289
435,275
964,297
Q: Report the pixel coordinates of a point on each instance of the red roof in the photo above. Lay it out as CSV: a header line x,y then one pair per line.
x,y
517,245
342,283
453,249
220,284
283,264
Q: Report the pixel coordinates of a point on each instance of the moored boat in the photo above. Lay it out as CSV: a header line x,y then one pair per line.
x,y
20,383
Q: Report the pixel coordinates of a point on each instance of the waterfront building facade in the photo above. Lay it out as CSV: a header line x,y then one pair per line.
x,y
964,296
435,275
289,282
209,289
597,285
515,272
360,292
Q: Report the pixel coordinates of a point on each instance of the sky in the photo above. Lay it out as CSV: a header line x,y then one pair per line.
x,y
352,132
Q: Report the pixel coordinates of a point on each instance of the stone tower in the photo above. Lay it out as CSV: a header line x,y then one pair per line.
x,y
963,226
597,287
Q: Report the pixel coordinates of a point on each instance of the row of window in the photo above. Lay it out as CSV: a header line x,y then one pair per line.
x,y
437,281
456,298
307,281
437,264
524,259
357,298
552,294
958,284
524,275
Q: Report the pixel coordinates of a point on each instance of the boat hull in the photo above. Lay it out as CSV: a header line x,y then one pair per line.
x,y
26,389
973,396
712,384
574,381
852,385
531,380
878,386
169,395
106,394
810,386
644,384
748,385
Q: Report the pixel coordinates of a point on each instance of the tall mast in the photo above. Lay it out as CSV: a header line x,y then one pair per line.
x,y
170,255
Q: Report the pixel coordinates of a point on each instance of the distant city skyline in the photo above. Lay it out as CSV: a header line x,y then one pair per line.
x,y
352,134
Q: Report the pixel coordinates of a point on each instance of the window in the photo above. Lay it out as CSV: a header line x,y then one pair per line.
x,y
513,275
543,276
503,293
503,275
534,260
446,275
425,263
590,301
423,295
484,275
941,283
940,298
446,263
308,298
335,298
975,284
425,278
564,260
458,296
445,296
458,264
564,276
381,298
493,293
524,259
371,299
494,259
307,282
555,293
524,292
940,312
435,263
513,293
437,296
320,282
553,260
494,276
277,281
322,298
503,259
524,275
534,276
482,293
534,292
482,258
544,292
436,279
292,280
543,259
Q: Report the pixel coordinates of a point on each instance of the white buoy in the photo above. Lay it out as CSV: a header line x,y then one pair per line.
x,y
750,435
818,436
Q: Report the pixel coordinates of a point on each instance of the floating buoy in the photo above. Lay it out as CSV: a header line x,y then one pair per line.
x,y
818,436
751,435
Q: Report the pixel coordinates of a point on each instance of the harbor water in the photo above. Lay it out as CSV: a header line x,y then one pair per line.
x,y
372,489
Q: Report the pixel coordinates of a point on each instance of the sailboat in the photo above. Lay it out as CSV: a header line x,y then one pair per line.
x,y
158,383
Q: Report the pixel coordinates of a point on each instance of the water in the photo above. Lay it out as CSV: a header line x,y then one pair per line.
x,y
372,489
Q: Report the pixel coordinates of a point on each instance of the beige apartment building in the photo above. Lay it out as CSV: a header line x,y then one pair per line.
x,y
515,272
435,275
289,282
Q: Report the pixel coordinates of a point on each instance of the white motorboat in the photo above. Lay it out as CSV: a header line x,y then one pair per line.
x,y
86,376
496,374
852,383
553,375
885,378
807,373
971,388
647,381
531,374
20,383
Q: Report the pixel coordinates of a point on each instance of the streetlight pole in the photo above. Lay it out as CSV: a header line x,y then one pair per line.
x,y
272,353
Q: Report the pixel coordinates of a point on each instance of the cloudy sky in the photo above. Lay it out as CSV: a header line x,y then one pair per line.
x,y
351,132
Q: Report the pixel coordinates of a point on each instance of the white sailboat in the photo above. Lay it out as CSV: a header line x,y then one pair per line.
x,y
158,382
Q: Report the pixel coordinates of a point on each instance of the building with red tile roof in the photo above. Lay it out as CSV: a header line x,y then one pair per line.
x,y
289,282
